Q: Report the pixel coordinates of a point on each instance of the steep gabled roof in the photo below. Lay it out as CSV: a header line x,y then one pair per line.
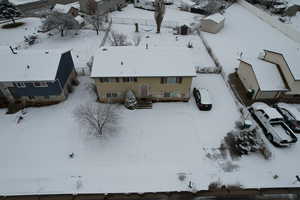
x,y
29,65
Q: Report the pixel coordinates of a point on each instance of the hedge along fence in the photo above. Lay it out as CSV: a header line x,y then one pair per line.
x,y
287,30
144,22
225,193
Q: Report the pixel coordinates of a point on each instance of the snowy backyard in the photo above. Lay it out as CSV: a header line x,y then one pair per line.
x,y
150,148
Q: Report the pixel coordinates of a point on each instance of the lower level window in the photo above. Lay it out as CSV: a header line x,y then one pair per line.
x,y
111,95
31,97
167,94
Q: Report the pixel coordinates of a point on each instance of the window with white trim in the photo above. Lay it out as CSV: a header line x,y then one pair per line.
x,y
111,95
109,80
20,85
40,84
171,80
130,79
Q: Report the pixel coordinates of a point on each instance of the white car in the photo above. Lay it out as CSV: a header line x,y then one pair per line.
x,y
273,125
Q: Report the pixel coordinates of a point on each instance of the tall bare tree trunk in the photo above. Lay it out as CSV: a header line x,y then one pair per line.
x,y
159,13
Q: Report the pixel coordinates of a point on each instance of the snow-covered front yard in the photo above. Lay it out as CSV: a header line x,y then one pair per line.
x,y
151,147
146,154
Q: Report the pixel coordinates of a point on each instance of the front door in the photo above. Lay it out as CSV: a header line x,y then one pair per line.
x,y
144,91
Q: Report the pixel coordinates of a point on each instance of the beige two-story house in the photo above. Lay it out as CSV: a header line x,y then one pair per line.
x,y
156,74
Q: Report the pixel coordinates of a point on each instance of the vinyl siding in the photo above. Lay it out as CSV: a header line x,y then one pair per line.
x,y
156,90
30,90
247,77
65,68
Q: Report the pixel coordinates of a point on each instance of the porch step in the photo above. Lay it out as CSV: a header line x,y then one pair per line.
x,y
144,105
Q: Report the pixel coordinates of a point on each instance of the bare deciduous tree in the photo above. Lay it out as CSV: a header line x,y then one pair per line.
x,y
60,22
98,118
118,39
159,13
91,7
97,20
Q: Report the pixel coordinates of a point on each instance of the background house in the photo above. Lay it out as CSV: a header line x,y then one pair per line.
x,y
261,79
213,23
36,77
288,65
71,9
272,76
103,6
148,72
145,4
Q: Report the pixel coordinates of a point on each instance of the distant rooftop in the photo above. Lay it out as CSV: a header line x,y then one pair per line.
x,y
142,62
215,17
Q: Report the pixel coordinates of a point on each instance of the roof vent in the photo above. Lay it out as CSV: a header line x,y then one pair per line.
x,y
104,49
122,63
28,67
47,52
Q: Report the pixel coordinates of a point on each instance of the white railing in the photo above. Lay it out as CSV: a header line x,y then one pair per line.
x,y
143,22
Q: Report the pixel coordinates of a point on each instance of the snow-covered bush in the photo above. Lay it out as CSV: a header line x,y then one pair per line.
x,y
130,100
118,39
30,39
208,70
244,141
90,63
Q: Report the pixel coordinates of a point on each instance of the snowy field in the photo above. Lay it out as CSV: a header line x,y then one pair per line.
x,y
151,147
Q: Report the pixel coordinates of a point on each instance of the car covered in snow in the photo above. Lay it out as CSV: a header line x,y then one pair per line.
x,y
289,118
273,125
202,98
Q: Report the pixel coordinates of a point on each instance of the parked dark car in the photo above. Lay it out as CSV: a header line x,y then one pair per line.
x,y
202,99
289,119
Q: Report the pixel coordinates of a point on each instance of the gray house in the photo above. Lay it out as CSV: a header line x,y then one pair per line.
x,y
35,78
103,6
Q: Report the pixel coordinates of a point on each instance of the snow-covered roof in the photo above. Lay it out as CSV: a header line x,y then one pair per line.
x,y
271,112
187,2
218,18
205,96
79,19
61,8
267,75
142,62
293,60
29,65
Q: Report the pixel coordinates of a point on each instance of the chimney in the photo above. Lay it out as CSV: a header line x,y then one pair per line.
x,y
12,50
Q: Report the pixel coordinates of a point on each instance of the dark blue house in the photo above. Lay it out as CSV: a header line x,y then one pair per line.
x,y
37,77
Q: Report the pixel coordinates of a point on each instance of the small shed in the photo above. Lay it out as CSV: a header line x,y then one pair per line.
x,y
183,30
212,23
